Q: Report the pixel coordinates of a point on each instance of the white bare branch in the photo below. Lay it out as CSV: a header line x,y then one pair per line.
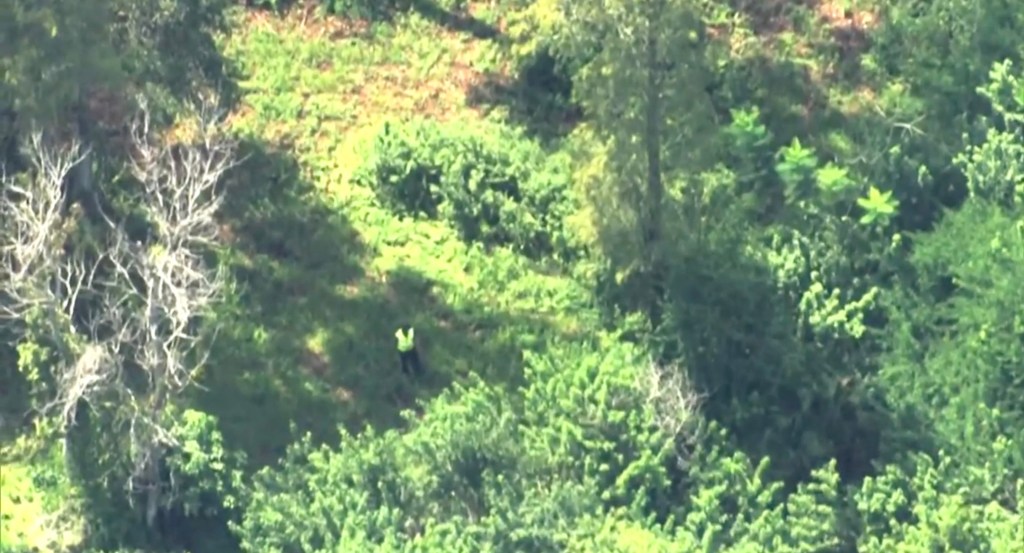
x,y
171,285
674,403
35,273
147,299
181,182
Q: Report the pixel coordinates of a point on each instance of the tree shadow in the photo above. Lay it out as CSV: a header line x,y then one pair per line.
x,y
287,249
382,11
454,21
452,344
307,343
780,394
176,59
926,124
385,11
538,98
791,103
14,390
795,104
783,393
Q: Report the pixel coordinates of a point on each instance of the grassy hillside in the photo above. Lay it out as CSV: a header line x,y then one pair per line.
x,y
326,273
809,325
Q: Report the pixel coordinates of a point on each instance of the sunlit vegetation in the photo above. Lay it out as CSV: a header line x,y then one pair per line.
x,y
685,275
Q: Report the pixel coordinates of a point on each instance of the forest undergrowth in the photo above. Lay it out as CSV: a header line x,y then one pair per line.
x,y
751,283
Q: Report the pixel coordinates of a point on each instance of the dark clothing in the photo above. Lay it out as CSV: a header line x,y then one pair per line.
x,y
411,365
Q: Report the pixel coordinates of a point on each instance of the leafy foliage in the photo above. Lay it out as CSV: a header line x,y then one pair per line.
x,y
934,506
51,51
477,471
801,222
489,182
206,473
959,351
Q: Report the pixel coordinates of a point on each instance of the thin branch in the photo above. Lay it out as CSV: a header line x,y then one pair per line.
x,y
675,405
147,300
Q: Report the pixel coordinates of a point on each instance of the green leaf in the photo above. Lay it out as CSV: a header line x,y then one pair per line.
x,y
878,205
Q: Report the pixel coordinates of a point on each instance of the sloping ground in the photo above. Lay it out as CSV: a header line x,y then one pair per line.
x,y
22,512
804,59
325,273
328,274
325,76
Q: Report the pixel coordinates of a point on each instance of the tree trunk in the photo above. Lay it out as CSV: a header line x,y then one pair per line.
x,y
10,158
153,476
652,226
81,183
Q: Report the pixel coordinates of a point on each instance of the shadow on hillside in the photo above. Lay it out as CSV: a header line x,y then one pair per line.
x,y
538,98
309,339
790,102
846,25
385,11
14,390
452,343
458,22
287,248
362,11
778,392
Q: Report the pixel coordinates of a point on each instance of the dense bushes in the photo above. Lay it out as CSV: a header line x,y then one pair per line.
x,y
578,464
493,185
862,381
202,481
482,470
778,323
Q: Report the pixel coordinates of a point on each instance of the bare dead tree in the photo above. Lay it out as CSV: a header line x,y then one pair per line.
x,y
34,271
171,278
675,404
151,297
38,278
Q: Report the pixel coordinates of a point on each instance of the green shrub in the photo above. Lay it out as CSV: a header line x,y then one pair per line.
x,y
206,476
576,463
201,481
493,185
481,470
937,505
